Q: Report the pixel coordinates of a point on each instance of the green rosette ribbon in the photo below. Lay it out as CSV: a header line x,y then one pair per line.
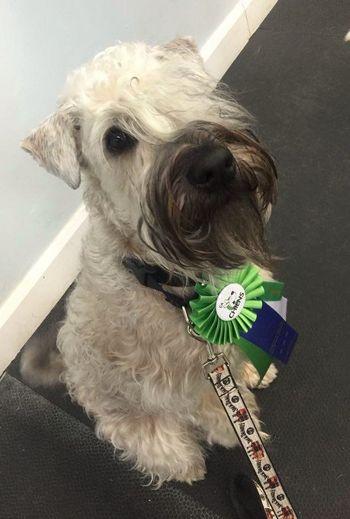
x,y
221,313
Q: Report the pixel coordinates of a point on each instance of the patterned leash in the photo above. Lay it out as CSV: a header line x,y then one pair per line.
x,y
273,497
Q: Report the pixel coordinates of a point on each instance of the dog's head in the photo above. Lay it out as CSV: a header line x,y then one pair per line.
x,y
166,155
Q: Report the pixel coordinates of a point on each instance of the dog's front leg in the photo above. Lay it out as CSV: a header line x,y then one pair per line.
x,y
160,446
213,421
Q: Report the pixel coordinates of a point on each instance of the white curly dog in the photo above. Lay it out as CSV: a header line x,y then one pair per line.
x,y
172,177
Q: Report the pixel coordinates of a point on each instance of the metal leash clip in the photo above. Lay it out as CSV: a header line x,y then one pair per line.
x,y
214,359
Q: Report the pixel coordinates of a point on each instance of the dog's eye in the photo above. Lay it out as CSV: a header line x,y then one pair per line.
x,y
117,141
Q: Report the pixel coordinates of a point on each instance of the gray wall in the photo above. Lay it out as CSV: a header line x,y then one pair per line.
x,y
41,40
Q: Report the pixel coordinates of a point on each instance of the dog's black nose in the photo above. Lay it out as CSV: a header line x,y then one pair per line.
x,y
213,167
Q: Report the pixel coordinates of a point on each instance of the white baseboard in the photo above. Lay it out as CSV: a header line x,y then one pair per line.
x,y
42,287
256,12
226,42
232,35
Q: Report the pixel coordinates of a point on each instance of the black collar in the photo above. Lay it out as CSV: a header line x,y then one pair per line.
x,y
153,276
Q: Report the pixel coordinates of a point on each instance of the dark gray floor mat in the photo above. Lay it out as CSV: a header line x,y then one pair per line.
x,y
53,467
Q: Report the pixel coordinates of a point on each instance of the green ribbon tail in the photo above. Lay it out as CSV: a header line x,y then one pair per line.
x,y
273,290
258,357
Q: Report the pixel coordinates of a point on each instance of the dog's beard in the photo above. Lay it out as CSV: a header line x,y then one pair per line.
x,y
201,231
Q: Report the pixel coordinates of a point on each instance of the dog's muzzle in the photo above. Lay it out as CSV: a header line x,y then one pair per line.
x,y
205,199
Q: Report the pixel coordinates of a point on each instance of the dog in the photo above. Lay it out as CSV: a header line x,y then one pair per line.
x,y
174,178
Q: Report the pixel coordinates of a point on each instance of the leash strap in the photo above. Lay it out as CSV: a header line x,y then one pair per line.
x,y
276,502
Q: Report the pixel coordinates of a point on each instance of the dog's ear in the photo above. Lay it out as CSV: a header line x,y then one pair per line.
x,y
55,146
181,44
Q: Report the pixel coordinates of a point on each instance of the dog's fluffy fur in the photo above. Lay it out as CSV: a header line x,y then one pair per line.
x,y
128,359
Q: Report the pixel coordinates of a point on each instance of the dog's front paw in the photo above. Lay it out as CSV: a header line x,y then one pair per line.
x,y
187,470
187,466
195,472
252,378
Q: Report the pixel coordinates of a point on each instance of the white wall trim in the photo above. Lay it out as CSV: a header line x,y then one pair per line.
x,y
55,270
41,288
232,35
226,42
256,11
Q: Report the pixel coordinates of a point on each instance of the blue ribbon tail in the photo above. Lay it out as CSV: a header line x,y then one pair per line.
x,y
272,334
